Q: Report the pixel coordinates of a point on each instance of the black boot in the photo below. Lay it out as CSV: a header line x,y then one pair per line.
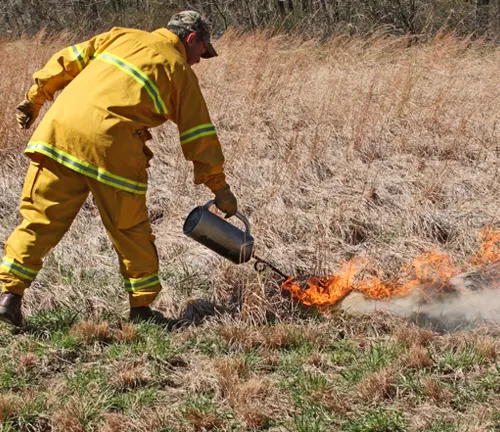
x,y
10,309
145,313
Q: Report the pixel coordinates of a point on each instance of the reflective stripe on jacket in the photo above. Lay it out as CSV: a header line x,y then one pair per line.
x,y
116,86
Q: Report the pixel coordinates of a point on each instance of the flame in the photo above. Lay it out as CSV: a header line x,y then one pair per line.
x,y
490,249
324,291
429,272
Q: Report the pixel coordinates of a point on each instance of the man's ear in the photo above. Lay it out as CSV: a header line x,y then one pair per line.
x,y
191,38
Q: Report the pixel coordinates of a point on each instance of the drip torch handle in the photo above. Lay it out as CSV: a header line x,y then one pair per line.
x,y
238,214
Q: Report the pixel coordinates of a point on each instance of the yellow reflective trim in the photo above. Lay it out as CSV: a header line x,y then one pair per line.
x,y
15,272
18,269
133,285
135,289
78,54
197,132
198,136
82,53
194,129
138,76
85,168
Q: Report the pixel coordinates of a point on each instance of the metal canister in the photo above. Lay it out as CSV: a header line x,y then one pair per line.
x,y
219,235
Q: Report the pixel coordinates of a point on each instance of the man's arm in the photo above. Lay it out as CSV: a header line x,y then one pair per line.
x,y
57,73
198,137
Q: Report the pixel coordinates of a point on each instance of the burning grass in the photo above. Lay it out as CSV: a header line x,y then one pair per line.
x,y
430,273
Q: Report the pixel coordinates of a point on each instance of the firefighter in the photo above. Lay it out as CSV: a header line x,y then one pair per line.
x,y
116,85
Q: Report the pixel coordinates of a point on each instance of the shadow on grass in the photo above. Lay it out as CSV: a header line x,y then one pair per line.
x,y
196,312
43,324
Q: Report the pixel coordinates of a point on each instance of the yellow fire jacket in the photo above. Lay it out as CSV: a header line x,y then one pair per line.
x,y
116,86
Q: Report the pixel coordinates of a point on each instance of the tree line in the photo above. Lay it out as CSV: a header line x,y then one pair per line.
x,y
313,18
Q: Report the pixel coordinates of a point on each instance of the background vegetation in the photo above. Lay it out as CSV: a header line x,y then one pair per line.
x,y
314,18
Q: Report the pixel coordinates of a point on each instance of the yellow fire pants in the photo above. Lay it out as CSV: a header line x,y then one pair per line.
x,y
51,198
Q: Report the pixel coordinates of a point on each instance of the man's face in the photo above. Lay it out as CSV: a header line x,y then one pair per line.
x,y
194,48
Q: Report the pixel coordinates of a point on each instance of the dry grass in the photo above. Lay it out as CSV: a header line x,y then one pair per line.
x,y
250,397
333,400
254,401
201,421
435,390
28,361
417,357
199,379
65,420
131,375
89,331
378,386
355,147
127,333
281,336
115,422
9,406
409,336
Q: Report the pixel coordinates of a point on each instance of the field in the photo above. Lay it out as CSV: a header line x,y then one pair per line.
x,y
374,148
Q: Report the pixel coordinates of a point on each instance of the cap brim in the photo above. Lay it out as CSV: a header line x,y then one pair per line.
x,y
210,52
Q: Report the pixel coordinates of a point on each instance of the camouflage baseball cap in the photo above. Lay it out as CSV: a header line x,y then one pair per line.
x,y
194,22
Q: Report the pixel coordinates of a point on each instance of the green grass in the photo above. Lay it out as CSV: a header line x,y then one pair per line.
x,y
464,358
374,359
344,352
42,324
377,421
33,412
295,377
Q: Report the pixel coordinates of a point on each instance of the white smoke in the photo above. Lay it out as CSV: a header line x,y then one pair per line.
x,y
472,297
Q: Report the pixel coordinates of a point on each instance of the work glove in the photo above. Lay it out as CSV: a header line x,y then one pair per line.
x,y
26,113
226,201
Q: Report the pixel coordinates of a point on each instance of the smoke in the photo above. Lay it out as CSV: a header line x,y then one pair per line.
x,y
468,299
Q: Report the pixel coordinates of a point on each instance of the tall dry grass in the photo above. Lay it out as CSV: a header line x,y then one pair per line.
x,y
353,147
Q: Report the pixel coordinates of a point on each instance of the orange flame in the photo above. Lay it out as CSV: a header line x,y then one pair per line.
x,y
324,291
490,249
431,270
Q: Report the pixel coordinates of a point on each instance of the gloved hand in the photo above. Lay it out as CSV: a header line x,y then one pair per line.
x,y
26,113
226,201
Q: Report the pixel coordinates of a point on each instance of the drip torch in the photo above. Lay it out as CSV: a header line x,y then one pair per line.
x,y
224,238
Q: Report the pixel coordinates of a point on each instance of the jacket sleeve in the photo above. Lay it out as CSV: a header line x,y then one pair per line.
x,y
197,133
62,68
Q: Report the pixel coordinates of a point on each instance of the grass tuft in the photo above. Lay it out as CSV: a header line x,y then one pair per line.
x,y
417,357
435,390
127,333
377,421
131,376
89,332
10,406
378,386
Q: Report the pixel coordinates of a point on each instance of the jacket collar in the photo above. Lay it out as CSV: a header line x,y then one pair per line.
x,y
173,40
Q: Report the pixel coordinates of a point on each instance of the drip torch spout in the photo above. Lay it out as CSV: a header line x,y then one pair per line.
x,y
261,265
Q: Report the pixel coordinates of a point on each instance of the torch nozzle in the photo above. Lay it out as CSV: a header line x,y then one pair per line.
x,y
261,265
